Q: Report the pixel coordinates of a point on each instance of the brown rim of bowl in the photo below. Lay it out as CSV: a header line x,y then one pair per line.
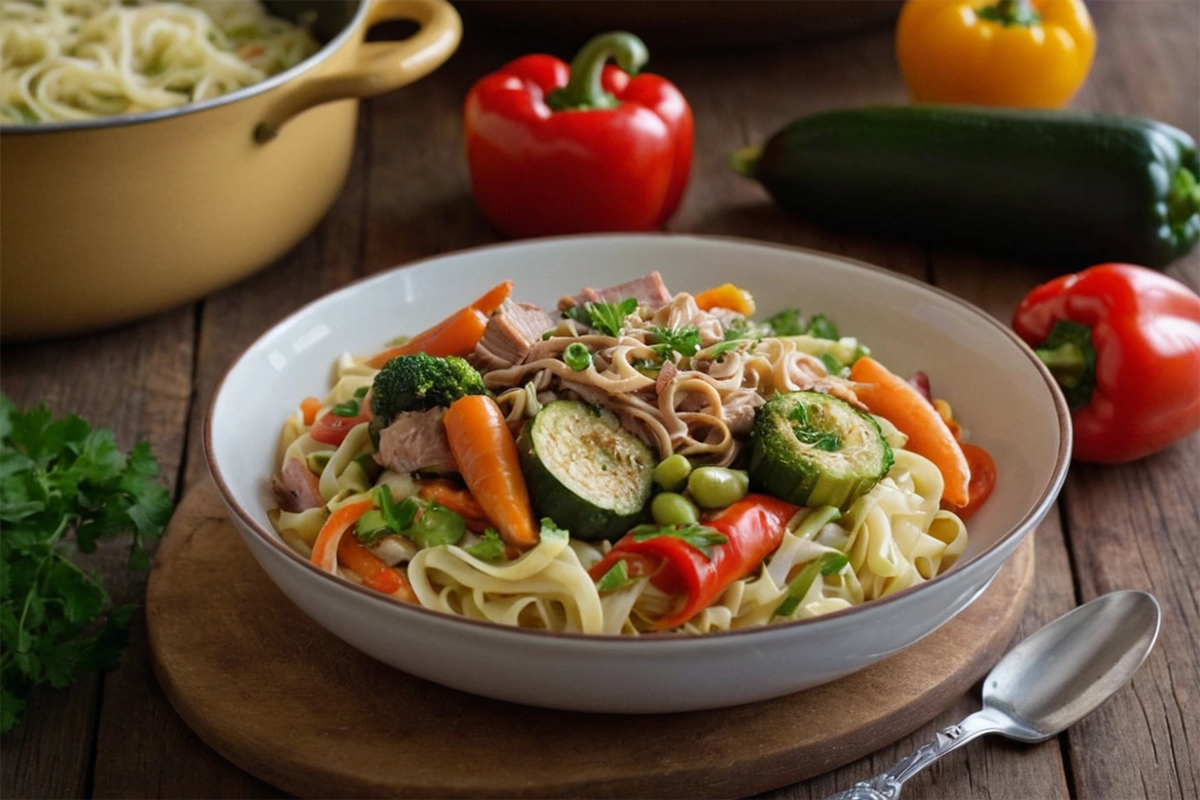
x,y
1023,527
119,120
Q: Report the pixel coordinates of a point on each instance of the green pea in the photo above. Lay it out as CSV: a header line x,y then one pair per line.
x,y
672,472
670,508
717,487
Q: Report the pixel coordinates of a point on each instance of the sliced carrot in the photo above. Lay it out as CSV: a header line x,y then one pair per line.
x,y
890,396
983,478
486,455
726,296
325,548
309,407
456,335
374,572
460,501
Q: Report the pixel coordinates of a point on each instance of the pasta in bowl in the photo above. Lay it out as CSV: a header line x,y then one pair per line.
x,y
612,481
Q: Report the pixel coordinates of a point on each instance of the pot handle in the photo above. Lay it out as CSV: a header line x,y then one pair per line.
x,y
378,67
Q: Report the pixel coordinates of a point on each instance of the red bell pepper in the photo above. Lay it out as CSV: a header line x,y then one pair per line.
x,y
1124,344
554,149
752,528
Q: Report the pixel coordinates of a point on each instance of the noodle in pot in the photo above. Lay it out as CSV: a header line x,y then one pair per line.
x,y
70,60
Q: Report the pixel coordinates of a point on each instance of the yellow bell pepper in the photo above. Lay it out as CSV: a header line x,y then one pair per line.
x,y
1027,53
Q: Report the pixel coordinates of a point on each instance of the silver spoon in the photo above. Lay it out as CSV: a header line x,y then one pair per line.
x,y
1045,684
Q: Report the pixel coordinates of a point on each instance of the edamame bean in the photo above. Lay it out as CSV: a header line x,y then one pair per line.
x,y
671,508
717,487
439,526
672,472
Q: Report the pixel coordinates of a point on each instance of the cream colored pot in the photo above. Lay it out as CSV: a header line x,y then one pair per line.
x,y
106,221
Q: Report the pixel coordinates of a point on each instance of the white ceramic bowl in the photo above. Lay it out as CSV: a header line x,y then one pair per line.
x,y
995,384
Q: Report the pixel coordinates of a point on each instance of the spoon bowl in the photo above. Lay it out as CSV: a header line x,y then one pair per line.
x,y
1061,673
1045,684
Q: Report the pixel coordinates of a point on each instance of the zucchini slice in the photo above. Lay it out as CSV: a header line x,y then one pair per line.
x,y
584,471
815,450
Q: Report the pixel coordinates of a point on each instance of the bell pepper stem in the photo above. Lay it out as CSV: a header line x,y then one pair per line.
x,y
1011,12
584,89
1066,363
1070,355
744,160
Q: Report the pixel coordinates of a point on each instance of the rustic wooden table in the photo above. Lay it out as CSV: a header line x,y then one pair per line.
x,y
1130,527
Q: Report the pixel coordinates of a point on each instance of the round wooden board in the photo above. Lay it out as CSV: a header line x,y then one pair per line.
x,y
287,701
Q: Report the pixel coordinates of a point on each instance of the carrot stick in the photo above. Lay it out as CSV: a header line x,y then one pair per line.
x,y
309,407
888,395
460,501
726,296
325,548
456,335
374,572
486,455
493,298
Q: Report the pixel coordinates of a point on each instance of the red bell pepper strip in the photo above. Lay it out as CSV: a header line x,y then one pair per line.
x,y
753,527
553,149
1123,342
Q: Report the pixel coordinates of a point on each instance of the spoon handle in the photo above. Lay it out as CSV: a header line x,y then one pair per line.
x,y
887,786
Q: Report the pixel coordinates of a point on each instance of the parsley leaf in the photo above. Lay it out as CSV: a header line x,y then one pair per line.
x,y
700,537
490,548
608,318
786,323
65,486
685,341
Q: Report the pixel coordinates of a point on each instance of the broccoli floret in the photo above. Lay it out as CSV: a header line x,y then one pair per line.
x,y
420,382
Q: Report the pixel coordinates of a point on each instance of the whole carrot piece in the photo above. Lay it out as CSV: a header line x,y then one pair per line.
x,y
890,396
486,455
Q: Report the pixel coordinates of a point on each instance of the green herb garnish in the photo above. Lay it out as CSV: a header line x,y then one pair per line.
x,y
65,486
786,323
700,537
807,433
490,548
684,341
834,367
608,318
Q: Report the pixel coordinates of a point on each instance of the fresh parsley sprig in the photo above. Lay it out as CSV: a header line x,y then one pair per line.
x,y
64,487
700,537
608,318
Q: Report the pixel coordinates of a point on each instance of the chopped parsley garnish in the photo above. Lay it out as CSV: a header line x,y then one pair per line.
x,y
700,537
65,486
789,323
608,318
684,341
489,548
807,433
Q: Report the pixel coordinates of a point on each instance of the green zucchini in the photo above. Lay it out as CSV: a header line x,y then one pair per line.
x,y
815,450
1074,187
584,471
